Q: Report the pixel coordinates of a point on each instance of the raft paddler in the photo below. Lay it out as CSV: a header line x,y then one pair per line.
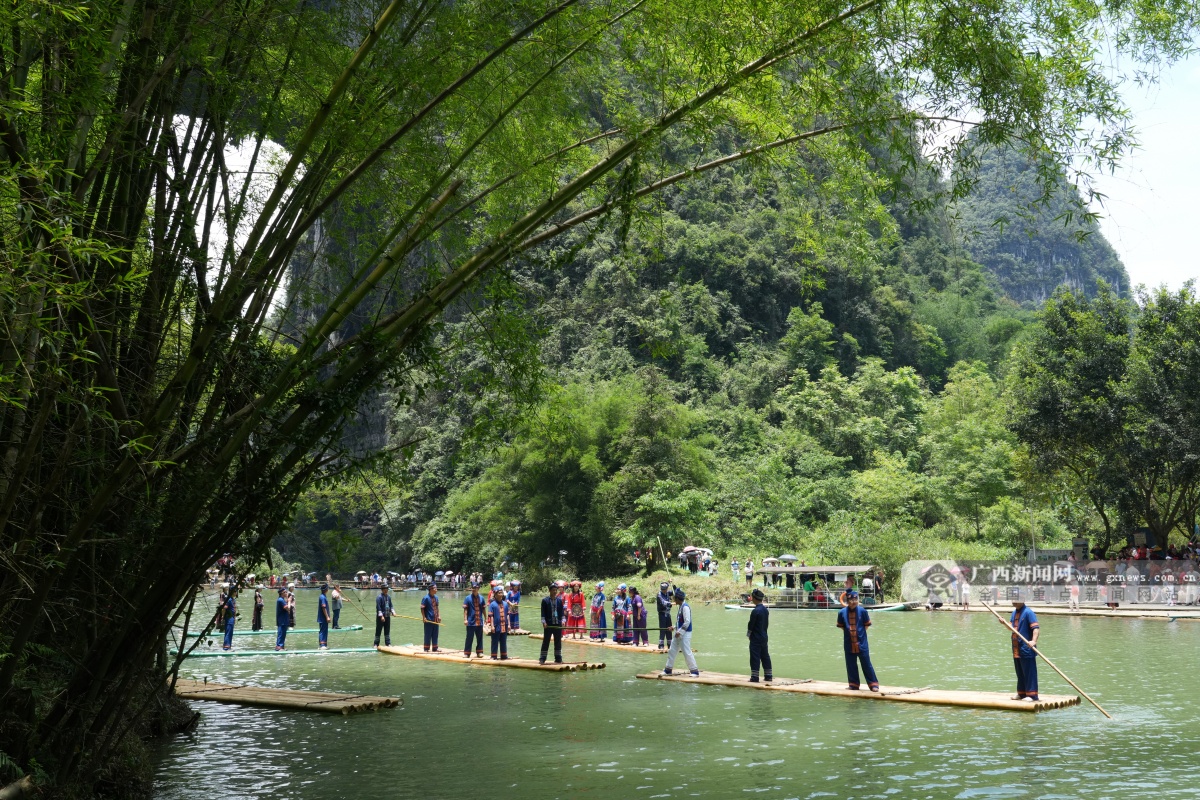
x,y
576,621
384,611
599,620
431,618
498,624
554,614
663,602
756,632
514,605
474,608
230,614
282,619
1024,622
324,618
854,621
682,640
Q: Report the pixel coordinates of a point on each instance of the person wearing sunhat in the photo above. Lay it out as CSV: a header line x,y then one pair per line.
x,y
554,614
682,640
756,632
1024,622
854,620
576,621
474,609
663,602
324,618
281,619
598,621
513,596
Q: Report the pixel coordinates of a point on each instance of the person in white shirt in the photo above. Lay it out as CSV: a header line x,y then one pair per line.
x,y
682,640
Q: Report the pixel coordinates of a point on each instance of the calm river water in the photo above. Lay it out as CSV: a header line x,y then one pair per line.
x,y
477,732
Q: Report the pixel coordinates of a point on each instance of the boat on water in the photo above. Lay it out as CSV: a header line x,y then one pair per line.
x,y
799,587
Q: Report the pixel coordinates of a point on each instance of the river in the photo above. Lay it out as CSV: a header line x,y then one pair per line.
x,y
471,731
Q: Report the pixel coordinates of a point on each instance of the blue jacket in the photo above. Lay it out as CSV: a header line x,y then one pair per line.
x,y
854,628
281,612
1025,621
383,605
756,628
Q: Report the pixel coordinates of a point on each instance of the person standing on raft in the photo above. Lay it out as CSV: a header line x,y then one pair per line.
x,y
384,611
1024,622
756,632
230,613
854,621
324,618
335,605
638,607
431,617
514,605
498,624
554,611
256,623
683,636
620,611
599,623
663,602
474,608
281,619
576,621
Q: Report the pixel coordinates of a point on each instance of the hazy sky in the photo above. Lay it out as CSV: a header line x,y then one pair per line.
x,y
1150,214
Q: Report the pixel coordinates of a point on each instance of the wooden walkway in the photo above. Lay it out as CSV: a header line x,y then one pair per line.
x,y
515,663
628,648
327,702
312,652
219,634
900,694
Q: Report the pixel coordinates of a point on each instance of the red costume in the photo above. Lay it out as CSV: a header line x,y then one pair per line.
x,y
576,622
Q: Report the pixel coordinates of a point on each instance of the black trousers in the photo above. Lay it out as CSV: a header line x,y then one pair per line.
x,y
759,654
383,625
474,632
664,635
548,634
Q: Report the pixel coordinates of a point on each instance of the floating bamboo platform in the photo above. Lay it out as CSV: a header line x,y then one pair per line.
x,y
218,634
328,702
224,653
628,648
927,695
516,663
520,632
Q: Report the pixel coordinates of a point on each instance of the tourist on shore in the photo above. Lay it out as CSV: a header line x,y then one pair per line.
x,y
749,572
324,618
598,621
576,618
620,611
473,611
281,619
854,620
756,632
638,612
554,613
735,566
230,615
663,602
256,620
683,636
335,605
498,624
1024,622
514,605
384,611
431,618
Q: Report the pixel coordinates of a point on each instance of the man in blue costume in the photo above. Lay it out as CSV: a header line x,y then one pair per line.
x,y
474,607
498,623
514,605
230,618
282,619
756,632
854,620
431,618
1024,622
384,611
324,618
683,636
663,602
554,615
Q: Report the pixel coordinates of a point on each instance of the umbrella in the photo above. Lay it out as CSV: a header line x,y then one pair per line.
x,y
393,573
689,549
438,574
250,576
448,573
770,562
789,559
361,572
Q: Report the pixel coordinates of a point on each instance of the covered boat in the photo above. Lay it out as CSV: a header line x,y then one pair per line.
x,y
799,587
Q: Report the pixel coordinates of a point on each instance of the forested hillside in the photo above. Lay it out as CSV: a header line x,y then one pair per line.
x,y
769,360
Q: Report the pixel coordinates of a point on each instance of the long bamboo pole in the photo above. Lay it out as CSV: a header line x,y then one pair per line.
x,y
1048,661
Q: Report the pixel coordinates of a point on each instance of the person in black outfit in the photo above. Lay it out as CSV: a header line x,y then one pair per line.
x,y
384,611
554,614
756,632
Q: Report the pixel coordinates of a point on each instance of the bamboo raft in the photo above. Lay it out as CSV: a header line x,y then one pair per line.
x,y
223,653
900,694
328,702
628,648
520,632
516,663
218,634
